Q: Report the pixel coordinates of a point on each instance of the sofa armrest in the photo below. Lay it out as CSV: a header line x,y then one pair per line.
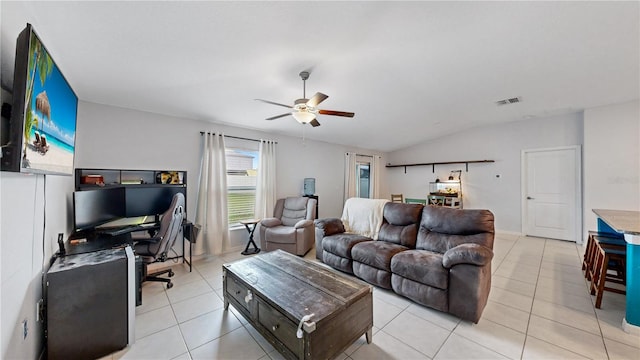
x,y
329,226
270,222
303,224
469,253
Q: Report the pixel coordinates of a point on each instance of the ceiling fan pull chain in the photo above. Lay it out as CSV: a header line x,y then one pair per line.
x,y
304,144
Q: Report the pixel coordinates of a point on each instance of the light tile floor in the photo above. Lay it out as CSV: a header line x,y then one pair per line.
x,y
539,308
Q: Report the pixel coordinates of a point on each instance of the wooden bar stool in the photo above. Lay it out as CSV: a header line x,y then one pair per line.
x,y
589,253
608,257
591,250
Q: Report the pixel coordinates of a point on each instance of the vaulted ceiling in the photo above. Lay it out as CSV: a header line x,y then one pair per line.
x,y
411,71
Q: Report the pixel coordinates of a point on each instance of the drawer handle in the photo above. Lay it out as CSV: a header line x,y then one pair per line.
x,y
308,325
275,327
238,292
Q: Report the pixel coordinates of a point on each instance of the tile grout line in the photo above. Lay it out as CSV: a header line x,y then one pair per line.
x,y
184,341
533,300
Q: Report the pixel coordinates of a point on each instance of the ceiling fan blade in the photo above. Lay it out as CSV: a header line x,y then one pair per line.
x,y
314,123
275,103
278,116
317,99
336,113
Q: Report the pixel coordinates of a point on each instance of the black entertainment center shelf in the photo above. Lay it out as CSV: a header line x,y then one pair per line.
x,y
106,186
86,179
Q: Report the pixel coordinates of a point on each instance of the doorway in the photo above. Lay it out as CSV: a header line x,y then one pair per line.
x,y
551,193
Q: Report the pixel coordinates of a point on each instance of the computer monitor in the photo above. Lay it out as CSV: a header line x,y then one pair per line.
x,y
150,201
96,207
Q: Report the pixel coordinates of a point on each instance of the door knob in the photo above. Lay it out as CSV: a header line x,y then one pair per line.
x,y
530,198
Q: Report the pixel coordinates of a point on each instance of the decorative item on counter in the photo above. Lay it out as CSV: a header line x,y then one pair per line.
x,y
169,177
92,180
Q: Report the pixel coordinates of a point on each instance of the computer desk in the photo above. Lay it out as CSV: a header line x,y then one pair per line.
x,y
80,243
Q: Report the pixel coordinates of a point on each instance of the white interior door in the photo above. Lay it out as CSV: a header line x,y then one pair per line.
x,y
551,193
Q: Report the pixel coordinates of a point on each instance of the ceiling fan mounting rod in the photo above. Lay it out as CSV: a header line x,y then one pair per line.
x,y
304,75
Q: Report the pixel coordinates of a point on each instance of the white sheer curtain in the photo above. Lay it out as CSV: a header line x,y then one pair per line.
x,y
349,175
266,186
211,212
374,177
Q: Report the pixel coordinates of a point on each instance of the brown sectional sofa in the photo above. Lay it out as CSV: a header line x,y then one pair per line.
x,y
436,256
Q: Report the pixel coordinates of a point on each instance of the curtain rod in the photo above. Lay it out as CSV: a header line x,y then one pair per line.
x,y
364,154
237,137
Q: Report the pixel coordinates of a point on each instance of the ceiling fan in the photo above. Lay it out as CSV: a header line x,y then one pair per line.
x,y
305,110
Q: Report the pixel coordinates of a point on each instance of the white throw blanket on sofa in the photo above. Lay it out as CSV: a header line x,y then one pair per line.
x,y
363,216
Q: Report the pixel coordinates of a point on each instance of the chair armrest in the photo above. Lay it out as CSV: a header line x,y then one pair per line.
x,y
469,253
330,226
303,224
149,240
270,222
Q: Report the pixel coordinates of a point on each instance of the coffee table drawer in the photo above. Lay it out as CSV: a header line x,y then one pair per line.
x,y
237,290
281,327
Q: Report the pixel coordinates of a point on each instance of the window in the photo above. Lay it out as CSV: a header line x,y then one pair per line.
x,y
363,182
242,170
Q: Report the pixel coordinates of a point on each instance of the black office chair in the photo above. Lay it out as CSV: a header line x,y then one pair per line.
x,y
156,248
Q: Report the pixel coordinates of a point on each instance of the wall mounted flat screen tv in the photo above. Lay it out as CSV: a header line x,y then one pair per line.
x,y
43,115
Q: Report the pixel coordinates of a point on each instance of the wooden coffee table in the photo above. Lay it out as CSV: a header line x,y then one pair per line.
x,y
306,311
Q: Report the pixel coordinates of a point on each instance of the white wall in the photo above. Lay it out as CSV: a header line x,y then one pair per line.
x,y
611,159
481,188
32,205
111,137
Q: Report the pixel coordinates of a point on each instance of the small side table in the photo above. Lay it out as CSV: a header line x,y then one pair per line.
x,y
251,227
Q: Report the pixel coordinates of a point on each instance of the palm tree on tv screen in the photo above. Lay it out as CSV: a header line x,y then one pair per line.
x,y
41,62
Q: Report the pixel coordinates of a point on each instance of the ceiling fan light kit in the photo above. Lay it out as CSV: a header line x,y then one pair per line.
x,y
303,117
305,110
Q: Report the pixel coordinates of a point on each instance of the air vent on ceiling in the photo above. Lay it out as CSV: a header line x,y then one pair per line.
x,y
508,101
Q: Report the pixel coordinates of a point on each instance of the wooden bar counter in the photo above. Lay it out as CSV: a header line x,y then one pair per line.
x,y
626,224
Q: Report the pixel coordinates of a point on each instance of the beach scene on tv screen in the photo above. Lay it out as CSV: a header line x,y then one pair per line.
x,y
50,116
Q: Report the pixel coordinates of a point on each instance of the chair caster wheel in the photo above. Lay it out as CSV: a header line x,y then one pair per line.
x,y
169,285
171,273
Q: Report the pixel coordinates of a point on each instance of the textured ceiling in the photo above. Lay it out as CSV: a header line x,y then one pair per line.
x,y
411,71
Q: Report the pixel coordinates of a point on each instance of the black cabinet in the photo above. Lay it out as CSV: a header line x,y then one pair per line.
x,y
90,302
317,202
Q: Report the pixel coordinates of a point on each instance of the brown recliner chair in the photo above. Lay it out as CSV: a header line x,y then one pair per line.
x,y
291,228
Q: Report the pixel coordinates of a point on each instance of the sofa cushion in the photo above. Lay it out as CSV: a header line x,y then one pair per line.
x,y
421,293
337,262
280,234
372,275
341,244
400,223
443,228
424,267
376,254
295,209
